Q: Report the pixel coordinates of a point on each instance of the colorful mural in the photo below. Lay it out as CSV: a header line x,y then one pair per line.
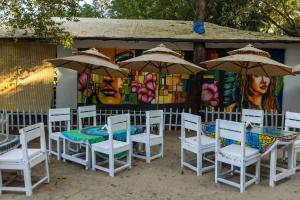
x,y
139,88
219,89
222,89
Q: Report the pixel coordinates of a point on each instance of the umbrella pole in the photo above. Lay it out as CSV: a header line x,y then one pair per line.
x,y
157,102
243,85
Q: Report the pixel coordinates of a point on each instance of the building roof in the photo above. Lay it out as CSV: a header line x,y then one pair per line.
x,y
155,30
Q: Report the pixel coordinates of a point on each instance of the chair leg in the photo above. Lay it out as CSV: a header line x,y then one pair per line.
x,y
47,174
129,156
217,170
111,165
27,180
148,153
87,157
58,149
49,147
242,178
1,182
162,149
182,157
295,160
232,170
93,154
257,172
64,148
199,164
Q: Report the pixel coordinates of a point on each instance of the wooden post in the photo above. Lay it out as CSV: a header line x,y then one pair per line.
x,y
195,89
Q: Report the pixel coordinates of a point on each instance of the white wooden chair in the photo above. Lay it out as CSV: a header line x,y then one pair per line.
x,y
199,144
149,138
235,154
112,147
255,117
86,112
78,156
26,158
292,121
54,116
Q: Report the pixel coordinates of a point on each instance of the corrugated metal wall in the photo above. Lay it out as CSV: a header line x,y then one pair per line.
x,y
26,81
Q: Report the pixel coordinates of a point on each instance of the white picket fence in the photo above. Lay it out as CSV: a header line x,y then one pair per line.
x,y
172,117
272,119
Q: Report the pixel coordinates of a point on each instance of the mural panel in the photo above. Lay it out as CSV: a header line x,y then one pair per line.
x,y
222,89
138,88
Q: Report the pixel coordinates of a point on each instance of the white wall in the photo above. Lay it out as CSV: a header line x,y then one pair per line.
x,y
291,91
66,89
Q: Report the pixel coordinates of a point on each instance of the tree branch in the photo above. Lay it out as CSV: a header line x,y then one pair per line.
x,y
278,25
286,17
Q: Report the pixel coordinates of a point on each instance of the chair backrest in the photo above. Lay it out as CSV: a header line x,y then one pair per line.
x,y
191,122
118,123
59,115
154,117
292,120
30,133
253,116
230,130
86,112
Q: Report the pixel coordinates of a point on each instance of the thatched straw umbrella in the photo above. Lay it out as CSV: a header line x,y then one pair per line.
x,y
296,69
92,60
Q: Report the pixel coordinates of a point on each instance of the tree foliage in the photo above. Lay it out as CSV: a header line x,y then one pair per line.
x,y
96,9
36,16
279,16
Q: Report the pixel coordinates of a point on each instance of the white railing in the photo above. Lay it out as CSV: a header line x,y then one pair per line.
x,y
19,119
3,122
272,119
172,117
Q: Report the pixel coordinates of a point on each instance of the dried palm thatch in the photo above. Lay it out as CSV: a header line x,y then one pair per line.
x,y
166,30
26,81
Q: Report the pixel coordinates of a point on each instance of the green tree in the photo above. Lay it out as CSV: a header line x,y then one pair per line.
x,y
231,13
279,16
97,9
155,9
36,16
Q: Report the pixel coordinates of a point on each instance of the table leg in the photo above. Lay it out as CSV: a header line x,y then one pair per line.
x,y
273,163
88,155
291,156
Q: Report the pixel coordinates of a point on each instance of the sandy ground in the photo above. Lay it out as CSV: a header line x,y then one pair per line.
x,y
162,179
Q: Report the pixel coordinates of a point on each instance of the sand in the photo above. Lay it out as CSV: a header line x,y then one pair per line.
x,y
162,179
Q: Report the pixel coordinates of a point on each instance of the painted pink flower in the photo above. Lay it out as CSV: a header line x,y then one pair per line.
x,y
82,81
135,86
210,94
145,96
150,77
145,91
150,81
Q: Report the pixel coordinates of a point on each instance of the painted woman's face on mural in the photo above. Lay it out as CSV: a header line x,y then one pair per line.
x,y
259,84
109,91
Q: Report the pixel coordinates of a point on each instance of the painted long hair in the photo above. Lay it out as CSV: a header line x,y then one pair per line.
x,y
268,99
